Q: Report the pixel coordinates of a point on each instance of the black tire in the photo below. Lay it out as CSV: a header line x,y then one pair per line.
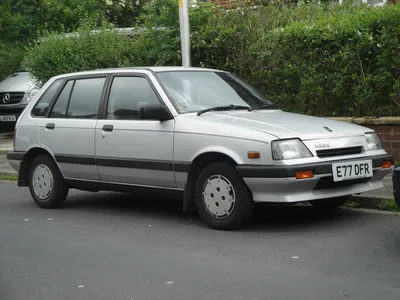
x,y
330,203
59,191
244,204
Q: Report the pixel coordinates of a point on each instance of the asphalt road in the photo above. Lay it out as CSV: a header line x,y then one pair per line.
x,y
112,246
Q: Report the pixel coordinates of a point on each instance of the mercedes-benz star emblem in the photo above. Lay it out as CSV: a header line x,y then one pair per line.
x,y
6,98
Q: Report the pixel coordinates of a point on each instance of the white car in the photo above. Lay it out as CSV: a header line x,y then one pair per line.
x,y
200,134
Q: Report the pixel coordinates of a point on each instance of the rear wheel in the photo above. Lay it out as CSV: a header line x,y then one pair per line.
x,y
222,198
46,184
330,203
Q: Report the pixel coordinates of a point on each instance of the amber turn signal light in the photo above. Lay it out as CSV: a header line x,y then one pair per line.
x,y
253,154
386,164
304,174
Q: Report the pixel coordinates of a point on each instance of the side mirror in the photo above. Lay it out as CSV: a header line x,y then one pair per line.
x,y
154,112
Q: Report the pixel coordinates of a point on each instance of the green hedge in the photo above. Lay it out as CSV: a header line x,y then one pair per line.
x,y
10,58
340,65
323,60
62,53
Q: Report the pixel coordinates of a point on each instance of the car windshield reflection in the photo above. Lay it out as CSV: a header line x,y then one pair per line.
x,y
193,91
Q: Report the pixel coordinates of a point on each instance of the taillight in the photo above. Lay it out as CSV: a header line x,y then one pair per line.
x,y
15,133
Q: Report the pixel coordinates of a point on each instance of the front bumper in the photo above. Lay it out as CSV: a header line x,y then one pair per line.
x,y
279,184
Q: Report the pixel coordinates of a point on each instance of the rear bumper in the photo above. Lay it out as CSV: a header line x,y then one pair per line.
x,y
15,158
15,164
279,184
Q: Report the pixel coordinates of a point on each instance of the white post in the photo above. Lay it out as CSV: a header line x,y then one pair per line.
x,y
185,32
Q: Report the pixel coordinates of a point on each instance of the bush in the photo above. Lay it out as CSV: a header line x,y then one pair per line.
x,y
85,50
340,64
320,59
10,58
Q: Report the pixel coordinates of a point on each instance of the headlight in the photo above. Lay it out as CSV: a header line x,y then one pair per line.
x,y
32,92
289,149
373,142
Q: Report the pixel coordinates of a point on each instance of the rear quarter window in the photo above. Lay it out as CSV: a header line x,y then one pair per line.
x,y
41,107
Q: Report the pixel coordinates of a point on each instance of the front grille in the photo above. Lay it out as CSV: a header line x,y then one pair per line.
x,y
11,98
328,183
339,152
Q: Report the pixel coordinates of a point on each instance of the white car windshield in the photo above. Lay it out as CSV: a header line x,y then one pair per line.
x,y
193,91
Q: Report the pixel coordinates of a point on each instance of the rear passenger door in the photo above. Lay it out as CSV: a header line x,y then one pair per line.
x,y
69,129
128,149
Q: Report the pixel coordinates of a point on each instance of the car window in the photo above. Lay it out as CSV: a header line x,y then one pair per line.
x,y
41,107
192,91
127,95
60,107
85,98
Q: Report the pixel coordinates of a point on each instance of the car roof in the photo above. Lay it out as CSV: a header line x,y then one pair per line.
x,y
134,69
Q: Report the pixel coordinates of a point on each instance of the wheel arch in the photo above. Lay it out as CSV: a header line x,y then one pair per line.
x,y
198,163
30,155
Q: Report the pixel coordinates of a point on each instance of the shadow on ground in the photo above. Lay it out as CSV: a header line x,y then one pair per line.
x,y
266,217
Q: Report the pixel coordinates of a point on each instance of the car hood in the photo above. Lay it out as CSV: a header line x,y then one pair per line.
x,y
17,82
286,125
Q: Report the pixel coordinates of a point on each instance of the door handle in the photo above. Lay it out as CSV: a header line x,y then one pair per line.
x,y
108,128
50,126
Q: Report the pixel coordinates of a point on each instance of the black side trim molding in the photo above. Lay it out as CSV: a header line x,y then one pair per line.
x,y
16,155
81,160
255,171
182,167
158,165
94,186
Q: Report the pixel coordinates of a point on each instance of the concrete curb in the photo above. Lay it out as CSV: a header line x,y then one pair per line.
x,y
372,202
4,136
8,173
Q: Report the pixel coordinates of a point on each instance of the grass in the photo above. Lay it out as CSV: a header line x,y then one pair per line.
x,y
352,204
381,204
388,205
9,177
4,151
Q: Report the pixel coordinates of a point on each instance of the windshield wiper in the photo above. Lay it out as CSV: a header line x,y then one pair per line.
x,y
220,108
265,106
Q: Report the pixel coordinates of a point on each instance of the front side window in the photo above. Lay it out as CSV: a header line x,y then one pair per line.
x,y
85,98
127,95
41,107
191,91
60,107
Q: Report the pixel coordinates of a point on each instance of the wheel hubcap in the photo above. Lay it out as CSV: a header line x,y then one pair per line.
x,y
42,182
219,196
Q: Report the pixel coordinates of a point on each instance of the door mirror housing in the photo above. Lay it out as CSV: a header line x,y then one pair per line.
x,y
155,112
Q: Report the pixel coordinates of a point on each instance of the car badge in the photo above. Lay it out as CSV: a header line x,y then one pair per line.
x,y
6,98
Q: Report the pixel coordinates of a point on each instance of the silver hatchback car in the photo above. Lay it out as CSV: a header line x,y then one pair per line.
x,y
200,134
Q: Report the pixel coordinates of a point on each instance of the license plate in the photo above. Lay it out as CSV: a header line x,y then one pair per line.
x,y
7,118
352,170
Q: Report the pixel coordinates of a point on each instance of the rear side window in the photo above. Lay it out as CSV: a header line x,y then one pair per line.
x,y
60,107
85,98
41,107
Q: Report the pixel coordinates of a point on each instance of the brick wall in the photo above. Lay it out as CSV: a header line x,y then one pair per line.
x,y
387,128
390,137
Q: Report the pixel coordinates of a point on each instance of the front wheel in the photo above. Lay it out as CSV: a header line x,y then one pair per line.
x,y
46,183
222,198
330,203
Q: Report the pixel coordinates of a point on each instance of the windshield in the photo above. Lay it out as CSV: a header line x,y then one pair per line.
x,y
192,91
21,69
